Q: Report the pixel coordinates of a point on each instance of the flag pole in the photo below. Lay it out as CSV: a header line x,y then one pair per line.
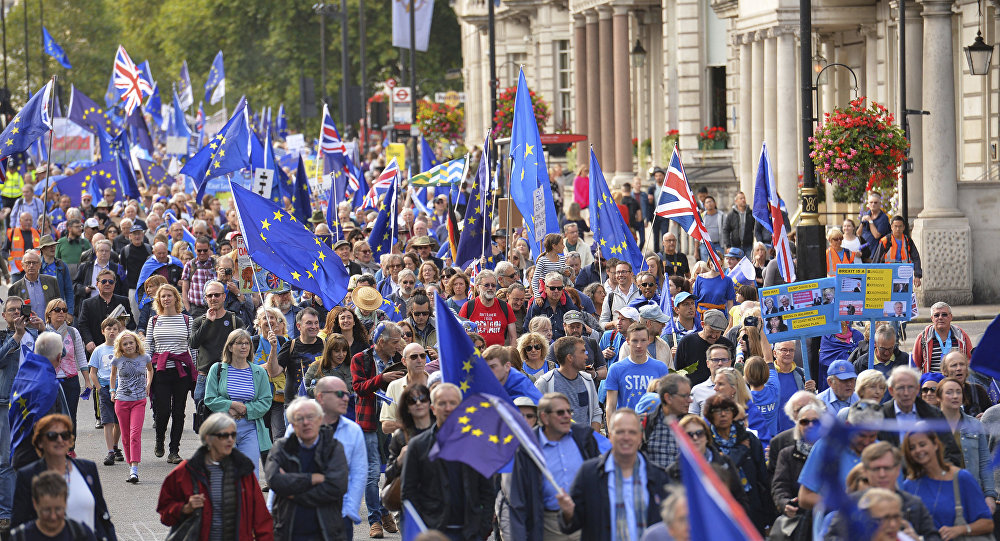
x,y
593,215
48,154
518,433
485,193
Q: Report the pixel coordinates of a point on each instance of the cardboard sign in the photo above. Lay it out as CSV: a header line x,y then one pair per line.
x,y
263,182
251,276
799,310
875,292
177,145
295,141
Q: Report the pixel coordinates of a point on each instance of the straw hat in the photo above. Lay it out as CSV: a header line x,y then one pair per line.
x,y
367,298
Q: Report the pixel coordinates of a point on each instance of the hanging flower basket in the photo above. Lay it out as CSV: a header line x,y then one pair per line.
x,y
713,138
858,148
440,121
503,121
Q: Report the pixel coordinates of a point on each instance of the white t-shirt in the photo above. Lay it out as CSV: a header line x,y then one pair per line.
x,y
80,501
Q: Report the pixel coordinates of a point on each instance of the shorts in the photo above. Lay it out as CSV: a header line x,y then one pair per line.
x,y
108,415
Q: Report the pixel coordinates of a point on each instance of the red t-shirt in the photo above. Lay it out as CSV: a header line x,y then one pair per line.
x,y
491,322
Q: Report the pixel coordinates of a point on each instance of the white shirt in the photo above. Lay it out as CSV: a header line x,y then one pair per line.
x,y
80,500
93,278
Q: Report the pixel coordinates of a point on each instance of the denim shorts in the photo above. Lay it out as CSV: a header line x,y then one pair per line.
x,y
108,415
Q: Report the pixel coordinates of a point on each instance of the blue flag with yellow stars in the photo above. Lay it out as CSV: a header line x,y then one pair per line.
x,y
51,48
225,153
87,113
394,312
281,122
283,245
153,174
476,241
460,362
385,231
178,122
33,120
300,194
529,179
33,393
481,434
154,106
607,222
90,179
216,77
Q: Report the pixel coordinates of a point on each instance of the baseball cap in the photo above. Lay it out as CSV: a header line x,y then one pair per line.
x,y
628,312
92,223
842,369
681,297
715,319
572,316
734,252
653,312
136,227
525,401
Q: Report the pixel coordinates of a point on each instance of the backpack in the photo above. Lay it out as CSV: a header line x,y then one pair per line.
x,y
468,313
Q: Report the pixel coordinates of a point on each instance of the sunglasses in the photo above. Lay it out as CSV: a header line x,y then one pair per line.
x,y
202,250
649,284
105,282
808,422
419,399
928,389
339,394
59,309
696,434
533,347
225,435
53,436
421,314
561,412
212,295
555,288
407,334
416,356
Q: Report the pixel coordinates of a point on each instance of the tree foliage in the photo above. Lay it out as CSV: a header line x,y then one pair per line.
x,y
267,45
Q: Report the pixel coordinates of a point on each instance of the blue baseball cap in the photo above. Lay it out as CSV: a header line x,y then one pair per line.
x,y
681,297
842,369
734,252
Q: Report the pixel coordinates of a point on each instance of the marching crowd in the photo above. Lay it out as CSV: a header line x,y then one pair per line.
x,y
300,408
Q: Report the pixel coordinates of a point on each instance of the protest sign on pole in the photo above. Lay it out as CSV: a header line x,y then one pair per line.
x,y
799,310
247,270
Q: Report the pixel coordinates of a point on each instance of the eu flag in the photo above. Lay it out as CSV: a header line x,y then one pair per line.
x,y
33,393
283,245
154,106
29,124
479,433
188,235
184,87
301,203
148,268
460,362
427,157
178,123
136,126
984,358
394,312
146,73
90,179
608,223
529,180
153,174
216,81
53,49
86,112
227,152
385,231
281,123
475,242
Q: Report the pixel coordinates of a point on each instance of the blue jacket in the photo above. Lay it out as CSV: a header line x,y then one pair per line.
x,y
527,509
350,435
58,270
518,384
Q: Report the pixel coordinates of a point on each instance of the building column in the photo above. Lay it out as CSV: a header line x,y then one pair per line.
x,y
622,92
593,88
757,88
580,85
786,163
771,101
607,89
914,99
746,116
941,233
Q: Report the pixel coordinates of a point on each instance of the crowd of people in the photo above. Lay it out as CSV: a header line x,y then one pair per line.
x,y
299,408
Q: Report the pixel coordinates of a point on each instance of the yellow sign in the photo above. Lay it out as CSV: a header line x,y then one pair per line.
x,y
803,323
398,151
451,98
807,313
878,288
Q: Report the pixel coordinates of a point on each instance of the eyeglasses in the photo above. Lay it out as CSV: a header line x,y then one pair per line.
x,y
941,314
531,347
105,282
225,435
560,413
489,285
928,389
718,360
808,422
53,436
554,288
212,295
419,399
423,313
415,356
696,434
242,343
26,262
682,395
896,517
785,351
299,419
59,309
512,276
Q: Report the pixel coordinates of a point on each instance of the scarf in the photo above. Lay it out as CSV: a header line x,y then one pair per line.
x,y
638,505
726,446
803,446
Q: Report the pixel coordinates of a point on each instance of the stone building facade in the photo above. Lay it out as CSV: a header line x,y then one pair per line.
x,y
735,63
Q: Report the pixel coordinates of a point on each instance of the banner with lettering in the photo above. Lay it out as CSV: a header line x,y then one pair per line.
x,y
799,310
881,292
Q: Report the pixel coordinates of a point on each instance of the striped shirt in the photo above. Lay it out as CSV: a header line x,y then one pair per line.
x,y
215,497
239,384
169,334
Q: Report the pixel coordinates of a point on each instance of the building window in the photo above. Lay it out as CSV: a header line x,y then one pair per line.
x,y
717,96
512,65
564,82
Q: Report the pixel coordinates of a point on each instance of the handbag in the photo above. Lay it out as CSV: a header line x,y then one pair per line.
x,y
392,494
960,515
784,528
188,529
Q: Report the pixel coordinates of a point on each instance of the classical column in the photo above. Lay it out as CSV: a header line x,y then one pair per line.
x,y
607,89
593,88
914,100
941,232
622,92
786,163
757,113
771,100
580,84
746,115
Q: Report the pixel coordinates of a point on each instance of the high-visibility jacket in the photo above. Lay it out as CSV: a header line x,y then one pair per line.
x,y
13,185
16,242
895,250
833,259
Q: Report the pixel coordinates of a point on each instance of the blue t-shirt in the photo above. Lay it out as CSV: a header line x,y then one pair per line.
x,y
101,359
631,380
789,385
715,291
766,401
939,497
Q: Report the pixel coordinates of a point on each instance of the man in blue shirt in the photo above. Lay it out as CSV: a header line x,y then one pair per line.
x,y
841,379
874,225
629,378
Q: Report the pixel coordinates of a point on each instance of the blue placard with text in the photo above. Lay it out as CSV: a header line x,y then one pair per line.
x,y
799,310
882,292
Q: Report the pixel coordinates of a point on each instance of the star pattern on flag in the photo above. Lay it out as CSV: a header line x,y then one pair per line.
x,y
469,428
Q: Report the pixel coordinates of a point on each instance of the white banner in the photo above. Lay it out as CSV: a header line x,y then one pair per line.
x,y
423,10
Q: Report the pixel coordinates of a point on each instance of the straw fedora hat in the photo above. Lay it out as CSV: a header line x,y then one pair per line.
x,y
367,298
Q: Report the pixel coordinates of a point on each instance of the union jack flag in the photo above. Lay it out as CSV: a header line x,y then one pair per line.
x,y
129,81
767,211
330,143
381,185
677,203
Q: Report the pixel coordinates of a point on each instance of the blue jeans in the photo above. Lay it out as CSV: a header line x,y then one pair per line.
x,y
199,389
247,443
372,499
6,471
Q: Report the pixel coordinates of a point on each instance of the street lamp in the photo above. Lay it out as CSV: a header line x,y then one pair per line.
x,y
639,54
979,55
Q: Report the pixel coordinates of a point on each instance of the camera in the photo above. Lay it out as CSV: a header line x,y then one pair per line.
x,y
751,321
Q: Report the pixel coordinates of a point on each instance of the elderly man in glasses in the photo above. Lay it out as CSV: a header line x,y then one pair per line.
x,y
39,288
415,361
938,339
554,305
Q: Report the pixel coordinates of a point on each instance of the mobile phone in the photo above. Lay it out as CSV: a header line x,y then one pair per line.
x,y
26,311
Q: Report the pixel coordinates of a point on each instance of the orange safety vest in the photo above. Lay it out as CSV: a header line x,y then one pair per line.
x,y
833,259
17,246
896,251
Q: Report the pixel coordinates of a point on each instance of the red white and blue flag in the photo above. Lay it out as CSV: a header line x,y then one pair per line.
x,y
335,152
713,513
381,185
131,85
767,212
677,203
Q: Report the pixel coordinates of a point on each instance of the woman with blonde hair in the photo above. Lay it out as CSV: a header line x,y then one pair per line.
x,y
532,348
729,383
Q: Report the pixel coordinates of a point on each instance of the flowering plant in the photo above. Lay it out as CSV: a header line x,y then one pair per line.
x,y
714,134
503,121
440,121
859,148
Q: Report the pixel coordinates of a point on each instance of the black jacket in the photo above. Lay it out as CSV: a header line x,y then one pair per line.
x,y
24,512
779,442
732,236
85,276
859,357
748,455
924,411
527,510
914,512
208,337
94,310
425,485
785,483
327,497
593,507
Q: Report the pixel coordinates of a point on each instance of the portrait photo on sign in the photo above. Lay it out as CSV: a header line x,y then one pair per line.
x,y
770,306
785,303
775,324
828,295
851,308
894,309
900,286
850,285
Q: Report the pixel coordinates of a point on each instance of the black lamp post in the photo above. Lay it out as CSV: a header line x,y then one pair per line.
x,y
979,55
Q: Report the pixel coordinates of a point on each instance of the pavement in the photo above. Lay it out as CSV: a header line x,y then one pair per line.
x,y
972,312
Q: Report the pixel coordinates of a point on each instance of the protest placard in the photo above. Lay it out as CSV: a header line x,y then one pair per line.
x,y
799,310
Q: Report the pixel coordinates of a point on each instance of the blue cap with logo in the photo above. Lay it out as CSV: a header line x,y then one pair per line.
x,y
842,369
